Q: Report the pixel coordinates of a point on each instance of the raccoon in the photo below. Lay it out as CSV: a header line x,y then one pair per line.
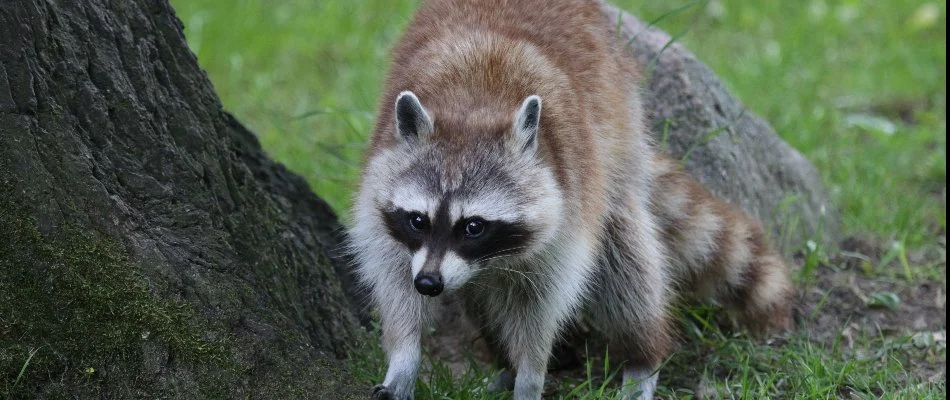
x,y
511,166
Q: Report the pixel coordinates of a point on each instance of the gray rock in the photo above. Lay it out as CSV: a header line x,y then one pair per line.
x,y
734,153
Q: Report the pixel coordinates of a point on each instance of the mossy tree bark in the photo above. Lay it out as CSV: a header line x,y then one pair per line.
x,y
148,247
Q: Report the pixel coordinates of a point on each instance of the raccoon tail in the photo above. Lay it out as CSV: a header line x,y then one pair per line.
x,y
719,252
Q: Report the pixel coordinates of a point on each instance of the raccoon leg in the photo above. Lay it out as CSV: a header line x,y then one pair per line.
x,y
631,296
529,317
639,382
529,336
402,317
504,382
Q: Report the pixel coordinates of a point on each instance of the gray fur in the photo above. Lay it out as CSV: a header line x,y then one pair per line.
x,y
616,266
522,300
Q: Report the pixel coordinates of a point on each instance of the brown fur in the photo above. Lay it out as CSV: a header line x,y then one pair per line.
x,y
738,264
560,51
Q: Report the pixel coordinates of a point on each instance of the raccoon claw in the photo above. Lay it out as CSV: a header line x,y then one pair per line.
x,y
381,392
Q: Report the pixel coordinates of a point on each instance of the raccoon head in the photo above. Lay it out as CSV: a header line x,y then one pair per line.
x,y
459,199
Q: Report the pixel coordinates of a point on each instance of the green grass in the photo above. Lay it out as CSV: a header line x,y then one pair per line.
x,y
304,75
859,87
718,364
814,69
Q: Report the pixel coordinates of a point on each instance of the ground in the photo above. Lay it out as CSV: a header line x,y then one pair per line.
x,y
858,87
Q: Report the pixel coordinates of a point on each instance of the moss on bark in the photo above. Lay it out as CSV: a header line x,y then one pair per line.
x,y
148,247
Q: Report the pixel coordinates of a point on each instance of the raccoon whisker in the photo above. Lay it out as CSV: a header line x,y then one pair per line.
x,y
522,272
493,256
512,270
482,285
499,253
531,283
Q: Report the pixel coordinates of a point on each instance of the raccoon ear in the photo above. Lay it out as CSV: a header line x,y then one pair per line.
x,y
526,124
412,120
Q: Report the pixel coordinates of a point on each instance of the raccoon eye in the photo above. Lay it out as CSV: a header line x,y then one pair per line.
x,y
418,222
474,228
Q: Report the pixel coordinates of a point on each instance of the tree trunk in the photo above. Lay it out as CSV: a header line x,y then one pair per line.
x,y
148,247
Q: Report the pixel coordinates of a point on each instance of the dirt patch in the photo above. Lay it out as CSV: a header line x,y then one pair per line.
x,y
846,298
846,303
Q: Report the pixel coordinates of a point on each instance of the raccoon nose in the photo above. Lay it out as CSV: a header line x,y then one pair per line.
x,y
429,284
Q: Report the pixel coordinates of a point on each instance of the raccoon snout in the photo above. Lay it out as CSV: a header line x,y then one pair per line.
x,y
429,284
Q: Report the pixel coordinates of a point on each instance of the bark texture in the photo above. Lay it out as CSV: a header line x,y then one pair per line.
x,y
148,247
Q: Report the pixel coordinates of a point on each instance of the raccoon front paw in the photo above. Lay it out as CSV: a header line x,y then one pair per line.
x,y
504,382
380,392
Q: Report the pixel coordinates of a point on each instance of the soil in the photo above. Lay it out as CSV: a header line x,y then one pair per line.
x,y
837,305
